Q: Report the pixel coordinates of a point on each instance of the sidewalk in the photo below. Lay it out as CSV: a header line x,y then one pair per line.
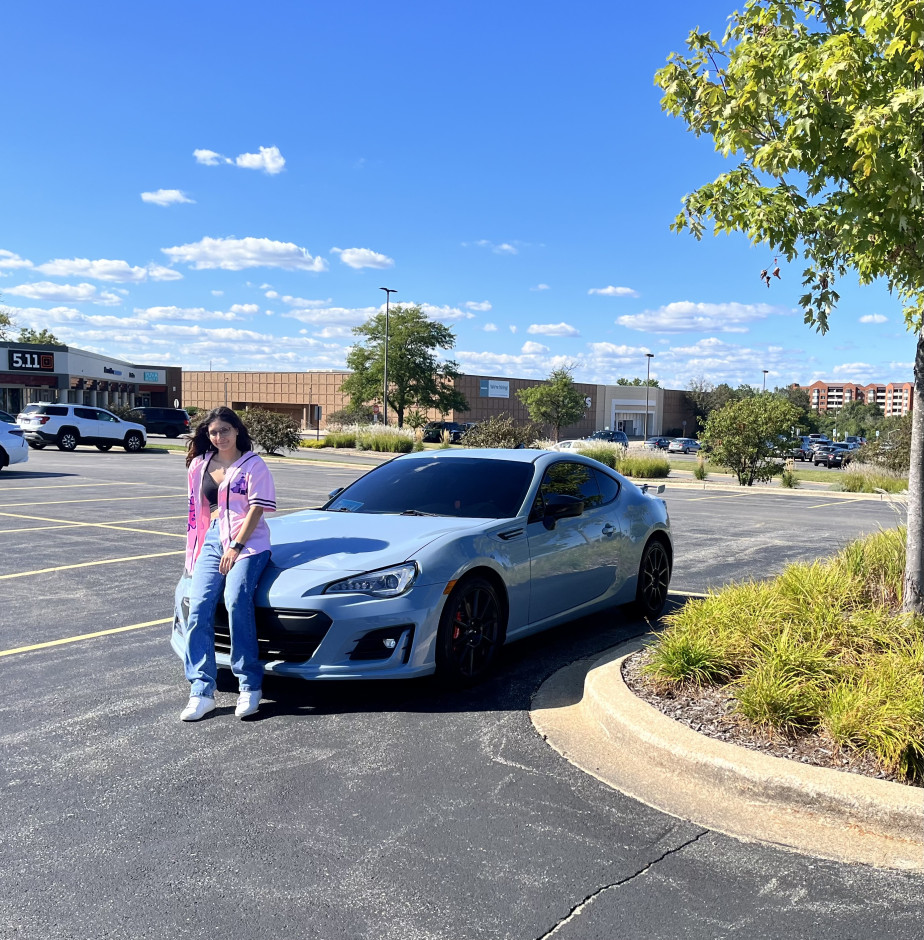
x,y
588,714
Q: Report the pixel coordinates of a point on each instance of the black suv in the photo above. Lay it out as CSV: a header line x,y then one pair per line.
x,y
170,421
433,432
615,437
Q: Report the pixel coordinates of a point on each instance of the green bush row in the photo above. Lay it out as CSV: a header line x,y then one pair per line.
x,y
822,647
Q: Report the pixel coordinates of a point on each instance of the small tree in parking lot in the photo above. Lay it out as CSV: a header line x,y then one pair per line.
x,y
556,403
745,436
271,430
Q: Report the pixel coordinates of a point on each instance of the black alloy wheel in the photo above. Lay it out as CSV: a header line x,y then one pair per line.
x,y
654,577
67,439
104,447
471,632
133,442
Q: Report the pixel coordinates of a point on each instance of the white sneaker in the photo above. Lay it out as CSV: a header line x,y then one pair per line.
x,y
198,707
248,703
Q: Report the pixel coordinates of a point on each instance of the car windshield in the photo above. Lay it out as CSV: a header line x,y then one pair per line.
x,y
469,488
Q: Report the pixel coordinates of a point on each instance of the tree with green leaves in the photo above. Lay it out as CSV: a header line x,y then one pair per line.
x,y
821,103
7,324
637,382
271,430
417,378
747,436
557,402
39,337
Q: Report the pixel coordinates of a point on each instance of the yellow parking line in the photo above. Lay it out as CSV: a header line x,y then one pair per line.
x,y
89,564
66,486
83,636
64,523
98,499
694,499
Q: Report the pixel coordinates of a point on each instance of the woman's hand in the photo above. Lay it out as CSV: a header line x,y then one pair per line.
x,y
228,559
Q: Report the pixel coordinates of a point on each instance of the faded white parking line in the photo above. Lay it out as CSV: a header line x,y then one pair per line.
x,y
83,636
96,499
65,524
89,564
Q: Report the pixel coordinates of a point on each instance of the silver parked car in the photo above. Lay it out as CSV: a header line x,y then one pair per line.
x,y
432,561
683,445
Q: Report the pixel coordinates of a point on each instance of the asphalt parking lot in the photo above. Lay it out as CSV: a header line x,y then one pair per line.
x,y
386,810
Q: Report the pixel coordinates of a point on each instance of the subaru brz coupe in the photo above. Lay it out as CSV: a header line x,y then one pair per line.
x,y
431,562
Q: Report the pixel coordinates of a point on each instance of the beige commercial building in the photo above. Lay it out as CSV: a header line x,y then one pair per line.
x,y
311,396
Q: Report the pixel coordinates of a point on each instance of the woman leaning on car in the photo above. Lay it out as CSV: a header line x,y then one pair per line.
x,y
227,548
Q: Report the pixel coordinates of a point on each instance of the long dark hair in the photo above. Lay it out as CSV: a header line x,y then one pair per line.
x,y
200,443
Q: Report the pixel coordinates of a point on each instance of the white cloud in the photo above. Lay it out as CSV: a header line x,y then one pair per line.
x,y
504,248
446,313
490,328
217,293
269,159
333,332
541,287
687,317
553,329
105,269
209,157
10,261
613,291
482,306
235,254
299,301
513,327
853,369
46,290
335,316
246,309
873,318
192,314
272,295
108,298
166,197
363,258
531,348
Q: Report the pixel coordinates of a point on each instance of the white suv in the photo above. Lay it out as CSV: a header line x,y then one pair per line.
x,y
69,425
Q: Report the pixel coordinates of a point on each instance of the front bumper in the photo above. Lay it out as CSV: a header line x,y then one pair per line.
x,y
336,637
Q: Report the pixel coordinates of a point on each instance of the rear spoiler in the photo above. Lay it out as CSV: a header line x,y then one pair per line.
x,y
646,486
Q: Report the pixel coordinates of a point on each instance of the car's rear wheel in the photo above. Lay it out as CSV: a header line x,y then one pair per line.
x,y
471,631
654,577
104,446
68,439
133,442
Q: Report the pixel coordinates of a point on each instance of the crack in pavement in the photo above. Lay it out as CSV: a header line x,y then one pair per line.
x,y
576,910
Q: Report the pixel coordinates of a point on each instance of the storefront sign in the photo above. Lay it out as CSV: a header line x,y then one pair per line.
x,y
152,376
22,361
493,388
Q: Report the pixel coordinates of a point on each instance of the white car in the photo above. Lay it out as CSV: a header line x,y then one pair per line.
x,y
13,447
570,445
69,425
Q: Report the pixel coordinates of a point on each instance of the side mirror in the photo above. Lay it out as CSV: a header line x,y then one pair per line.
x,y
558,506
335,492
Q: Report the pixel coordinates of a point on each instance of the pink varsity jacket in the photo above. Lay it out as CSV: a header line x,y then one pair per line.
x,y
248,482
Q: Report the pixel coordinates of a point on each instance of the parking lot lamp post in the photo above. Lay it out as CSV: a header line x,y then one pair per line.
x,y
648,358
388,293
765,378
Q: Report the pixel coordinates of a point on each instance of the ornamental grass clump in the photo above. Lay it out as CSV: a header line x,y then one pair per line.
x,y
868,478
821,648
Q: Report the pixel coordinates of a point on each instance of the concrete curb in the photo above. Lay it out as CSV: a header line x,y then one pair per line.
x,y
588,714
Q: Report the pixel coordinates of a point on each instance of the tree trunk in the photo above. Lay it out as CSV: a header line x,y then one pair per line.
x,y
914,563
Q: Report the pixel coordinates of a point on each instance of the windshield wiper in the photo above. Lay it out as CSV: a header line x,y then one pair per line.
x,y
417,512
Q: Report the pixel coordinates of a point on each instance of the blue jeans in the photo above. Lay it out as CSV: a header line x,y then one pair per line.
x,y
238,586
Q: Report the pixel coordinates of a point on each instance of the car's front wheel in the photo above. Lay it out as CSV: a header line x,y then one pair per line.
x,y
67,439
471,631
133,442
654,577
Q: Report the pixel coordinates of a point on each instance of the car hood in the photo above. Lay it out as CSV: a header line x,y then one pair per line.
x,y
347,542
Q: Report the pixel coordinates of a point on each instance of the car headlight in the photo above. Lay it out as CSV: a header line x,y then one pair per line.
x,y
386,582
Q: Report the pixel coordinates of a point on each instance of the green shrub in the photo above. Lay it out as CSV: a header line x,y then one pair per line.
x,y
788,479
271,430
340,439
685,658
312,442
643,466
699,471
866,478
501,431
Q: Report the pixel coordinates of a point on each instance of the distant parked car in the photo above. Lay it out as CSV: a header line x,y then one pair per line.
x,y
7,417
657,443
170,421
683,445
802,450
616,437
571,445
13,446
433,432
831,455
67,426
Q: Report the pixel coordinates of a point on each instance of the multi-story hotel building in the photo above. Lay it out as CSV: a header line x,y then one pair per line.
x,y
895,398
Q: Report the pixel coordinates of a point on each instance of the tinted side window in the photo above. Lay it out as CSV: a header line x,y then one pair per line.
x,y
58,410
571,479
106,416
88,414
609,488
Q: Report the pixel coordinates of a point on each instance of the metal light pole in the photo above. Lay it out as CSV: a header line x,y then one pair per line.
x,y
765,378
648,358
388,293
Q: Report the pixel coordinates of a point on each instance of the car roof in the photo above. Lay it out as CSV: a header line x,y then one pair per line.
x,y
517,454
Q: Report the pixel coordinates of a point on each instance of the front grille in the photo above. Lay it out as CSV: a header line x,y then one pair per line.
x,y
289,635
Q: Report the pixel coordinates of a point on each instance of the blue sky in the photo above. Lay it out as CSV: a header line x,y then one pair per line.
x,y
227,185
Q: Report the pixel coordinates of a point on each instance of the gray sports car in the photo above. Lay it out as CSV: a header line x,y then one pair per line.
x,y
432,561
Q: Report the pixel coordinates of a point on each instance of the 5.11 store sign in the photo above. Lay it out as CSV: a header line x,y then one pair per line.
x,y
21,361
